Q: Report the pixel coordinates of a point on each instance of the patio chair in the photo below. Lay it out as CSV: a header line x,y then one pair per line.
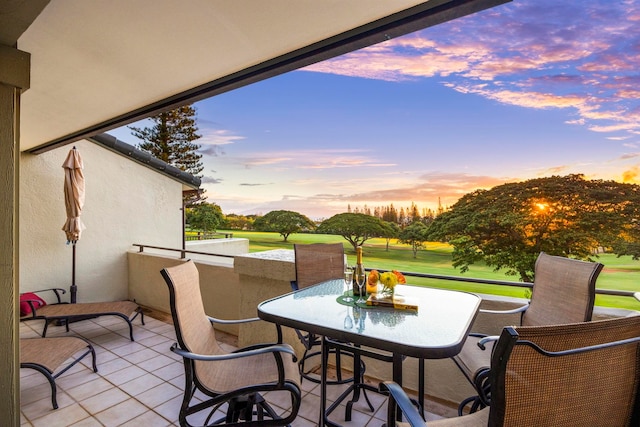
x,y
315,263
62,313
579,374
563,292
48,355
238,378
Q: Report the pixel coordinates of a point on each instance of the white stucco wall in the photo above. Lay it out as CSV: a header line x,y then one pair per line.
x,y
125,203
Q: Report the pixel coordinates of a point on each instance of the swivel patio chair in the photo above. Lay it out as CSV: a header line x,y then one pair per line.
x,y
563,292
238,379
579,374
316,263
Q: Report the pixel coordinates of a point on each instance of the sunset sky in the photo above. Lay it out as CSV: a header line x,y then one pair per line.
x,y
529,89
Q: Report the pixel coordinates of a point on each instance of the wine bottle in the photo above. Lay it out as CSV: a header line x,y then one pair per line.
x,y
358,270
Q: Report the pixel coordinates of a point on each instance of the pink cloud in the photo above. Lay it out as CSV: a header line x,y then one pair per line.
x,y
580,56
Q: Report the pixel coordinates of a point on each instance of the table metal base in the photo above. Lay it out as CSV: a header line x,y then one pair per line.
x,y
358,379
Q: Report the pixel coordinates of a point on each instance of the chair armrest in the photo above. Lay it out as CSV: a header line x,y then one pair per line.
x,y
489,338
233,321
56,291
238,321
398,398
512,311
256,346
278,348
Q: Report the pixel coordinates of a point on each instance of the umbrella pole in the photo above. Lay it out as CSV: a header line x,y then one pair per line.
x,y
73,289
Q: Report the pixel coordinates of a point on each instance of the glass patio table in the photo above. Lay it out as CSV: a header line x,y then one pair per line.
x,y
437,330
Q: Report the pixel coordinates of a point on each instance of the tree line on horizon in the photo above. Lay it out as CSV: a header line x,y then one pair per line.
x,y
506,227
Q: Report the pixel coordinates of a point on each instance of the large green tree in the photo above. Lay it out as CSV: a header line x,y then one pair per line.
x,y
414,234
171,139
629,243
390,231
509,225
356,228
205,216
284,222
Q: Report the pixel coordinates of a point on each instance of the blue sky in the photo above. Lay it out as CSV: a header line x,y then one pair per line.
x,y
529,89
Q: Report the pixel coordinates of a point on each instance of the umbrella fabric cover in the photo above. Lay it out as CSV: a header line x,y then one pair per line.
x,y
73,195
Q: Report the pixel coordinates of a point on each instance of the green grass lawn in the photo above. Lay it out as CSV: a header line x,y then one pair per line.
x,y
619,273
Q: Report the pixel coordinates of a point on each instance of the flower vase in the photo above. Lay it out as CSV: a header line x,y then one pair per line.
x,y
386,292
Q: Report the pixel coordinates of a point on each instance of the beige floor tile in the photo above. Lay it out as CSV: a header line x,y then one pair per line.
x,y
42,407
155,363
125,375
114,365
110,341
310,407
171,371
71,380
31,378
160,328
149,418
89,389
30,333
131,347
35,393
158,395
142,334
302,422
62,417
104,400
178,381
140,355
88,422
154,340
170,409
165,349
141,384
121,413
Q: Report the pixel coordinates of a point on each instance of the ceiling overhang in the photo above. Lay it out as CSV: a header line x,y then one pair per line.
x,y
99,65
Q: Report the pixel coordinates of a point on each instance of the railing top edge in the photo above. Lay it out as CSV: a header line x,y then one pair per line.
x,y
182,251
529,285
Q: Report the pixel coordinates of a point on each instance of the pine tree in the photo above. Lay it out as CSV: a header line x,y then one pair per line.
x,y
171,139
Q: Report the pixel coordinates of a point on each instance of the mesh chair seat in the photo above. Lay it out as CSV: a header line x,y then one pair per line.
x,y
48,355
65,313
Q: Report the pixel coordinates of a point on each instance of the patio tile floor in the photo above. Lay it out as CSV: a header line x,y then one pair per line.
x,y
140,383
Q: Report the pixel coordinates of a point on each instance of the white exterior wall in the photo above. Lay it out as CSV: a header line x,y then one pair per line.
x,y
125,203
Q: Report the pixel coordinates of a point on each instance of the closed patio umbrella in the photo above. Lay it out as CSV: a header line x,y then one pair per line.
x,y
73,201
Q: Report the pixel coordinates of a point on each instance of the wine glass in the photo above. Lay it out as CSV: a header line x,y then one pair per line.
x,y
361,279
348,280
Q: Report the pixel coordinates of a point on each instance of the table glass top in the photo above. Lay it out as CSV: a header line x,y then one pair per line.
x,y
437,329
